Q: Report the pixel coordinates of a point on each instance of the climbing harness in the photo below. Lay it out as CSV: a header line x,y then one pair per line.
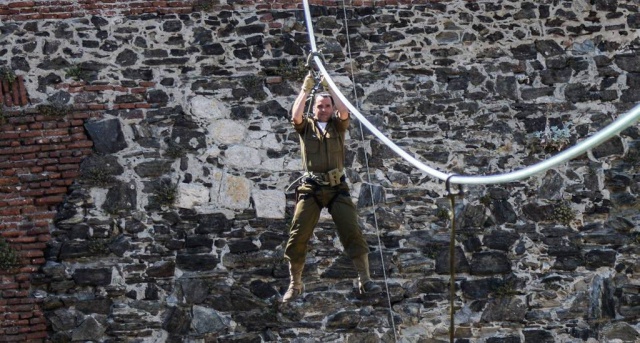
x,y
452,255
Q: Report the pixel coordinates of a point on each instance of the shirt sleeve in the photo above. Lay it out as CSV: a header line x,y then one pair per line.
x,y
300,127
342,125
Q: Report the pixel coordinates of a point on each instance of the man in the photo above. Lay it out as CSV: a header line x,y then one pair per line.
x,y
322,146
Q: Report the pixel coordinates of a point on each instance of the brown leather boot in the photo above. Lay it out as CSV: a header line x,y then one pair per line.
x,y
365,284
295,286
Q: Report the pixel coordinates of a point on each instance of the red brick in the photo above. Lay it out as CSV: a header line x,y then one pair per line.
x,y
26,149
51,200
98,88
80,144
35,133
9,211
70,176
57,132
56,190
40,227
22,239
13,285
44,238
6,181
32,253
39,333
20,202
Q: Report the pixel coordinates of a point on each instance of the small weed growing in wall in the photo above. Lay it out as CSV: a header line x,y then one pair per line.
x,y
253,85
8,256
98,177
553,139
506,290
75,72
443,213
205,5
292,71
175,151
563,213
99,247
54,110
8,75
485,200
166,192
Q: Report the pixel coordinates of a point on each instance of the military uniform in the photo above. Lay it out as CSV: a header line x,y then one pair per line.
x,y
323,153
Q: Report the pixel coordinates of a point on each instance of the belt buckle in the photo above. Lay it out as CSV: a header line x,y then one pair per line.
x,y
334,176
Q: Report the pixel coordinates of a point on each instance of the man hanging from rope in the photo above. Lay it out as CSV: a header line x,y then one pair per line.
x,y
323,185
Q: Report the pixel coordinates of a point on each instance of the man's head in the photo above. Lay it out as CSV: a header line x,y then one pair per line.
x,y
323,107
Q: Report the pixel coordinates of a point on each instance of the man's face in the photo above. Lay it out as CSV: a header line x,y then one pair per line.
x,y
323,108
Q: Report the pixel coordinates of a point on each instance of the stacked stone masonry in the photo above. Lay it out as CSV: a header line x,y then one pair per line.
x,y
145,150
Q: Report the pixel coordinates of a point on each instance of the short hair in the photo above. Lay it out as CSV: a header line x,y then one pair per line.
x,y
325,95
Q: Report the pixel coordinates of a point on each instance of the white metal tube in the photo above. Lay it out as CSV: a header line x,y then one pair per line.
x,y
598,138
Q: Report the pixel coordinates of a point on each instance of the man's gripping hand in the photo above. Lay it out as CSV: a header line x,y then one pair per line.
x,y
308,83
324,84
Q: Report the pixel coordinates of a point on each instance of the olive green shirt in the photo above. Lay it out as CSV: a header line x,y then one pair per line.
x,y
322,151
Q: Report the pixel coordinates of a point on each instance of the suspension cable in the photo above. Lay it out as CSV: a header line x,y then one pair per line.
x,y
598,138
366,161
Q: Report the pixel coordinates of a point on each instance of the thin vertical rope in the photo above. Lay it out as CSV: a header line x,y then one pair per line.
x,y
452,268
366,159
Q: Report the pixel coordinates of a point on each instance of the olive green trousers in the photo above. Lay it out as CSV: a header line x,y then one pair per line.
x,y
307,212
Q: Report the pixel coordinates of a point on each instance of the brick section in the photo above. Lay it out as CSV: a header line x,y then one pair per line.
x,y
39,158
14,93
64,9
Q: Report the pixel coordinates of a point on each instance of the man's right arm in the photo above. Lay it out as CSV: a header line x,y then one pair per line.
x,y
297,111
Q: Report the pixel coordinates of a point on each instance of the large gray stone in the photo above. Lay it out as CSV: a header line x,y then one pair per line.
x,y
89,330
206,320
106,135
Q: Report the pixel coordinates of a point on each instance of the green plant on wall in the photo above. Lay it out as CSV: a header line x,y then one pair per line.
x,y
563,213
292,71
253,84
7,75
8,256
552,139
98,177
166,192
75,72
175,151
99,246
53,110
506,290
205,5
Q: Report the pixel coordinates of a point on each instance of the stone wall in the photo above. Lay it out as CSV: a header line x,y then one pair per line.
x,y
172,229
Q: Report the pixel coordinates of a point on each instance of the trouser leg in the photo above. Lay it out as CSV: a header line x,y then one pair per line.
x,y
303,223
295,273
361,263
345,216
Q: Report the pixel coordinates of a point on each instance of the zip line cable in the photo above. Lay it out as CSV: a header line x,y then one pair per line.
x,y
598,138
366,159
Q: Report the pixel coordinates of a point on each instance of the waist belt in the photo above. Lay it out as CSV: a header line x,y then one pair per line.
x,y
332,178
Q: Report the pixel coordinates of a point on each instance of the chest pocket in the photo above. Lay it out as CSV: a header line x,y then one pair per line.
x,y
312,144
333,142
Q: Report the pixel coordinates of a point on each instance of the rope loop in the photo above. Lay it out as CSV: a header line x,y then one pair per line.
x,y
448,186
310,59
